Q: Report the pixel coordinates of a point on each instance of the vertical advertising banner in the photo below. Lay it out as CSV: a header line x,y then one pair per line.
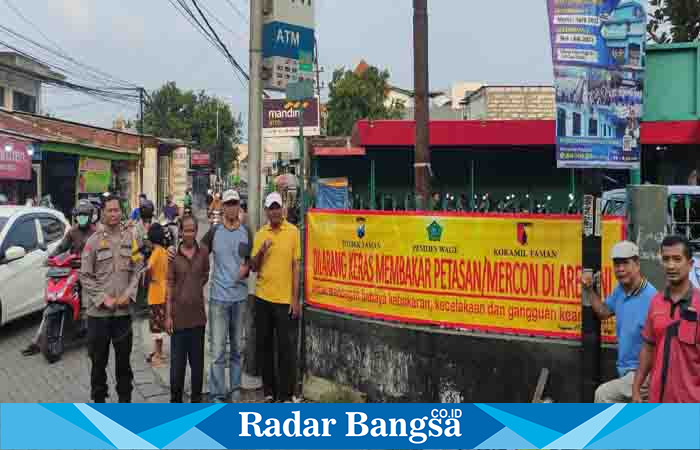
x,y
598,50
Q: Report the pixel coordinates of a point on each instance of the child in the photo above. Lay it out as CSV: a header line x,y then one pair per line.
x,y
185,315
157,276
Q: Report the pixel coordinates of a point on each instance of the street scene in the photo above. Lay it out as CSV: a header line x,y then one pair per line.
x,y
229,201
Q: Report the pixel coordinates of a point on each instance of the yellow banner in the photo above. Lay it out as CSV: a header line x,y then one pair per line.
x,y
517,274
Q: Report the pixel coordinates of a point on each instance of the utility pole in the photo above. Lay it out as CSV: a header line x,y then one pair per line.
x,y
141,156
591,256
421,164
255,113
250,363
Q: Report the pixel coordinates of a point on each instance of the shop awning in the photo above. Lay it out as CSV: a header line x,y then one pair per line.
x,y
88,152
503,133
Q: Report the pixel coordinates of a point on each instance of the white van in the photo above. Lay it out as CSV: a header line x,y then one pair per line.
x,y
682,209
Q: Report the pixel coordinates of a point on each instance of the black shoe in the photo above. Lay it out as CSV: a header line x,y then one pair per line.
x,y
32,349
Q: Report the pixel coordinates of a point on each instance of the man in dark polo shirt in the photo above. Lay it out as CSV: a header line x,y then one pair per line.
x,y
185,312
671,350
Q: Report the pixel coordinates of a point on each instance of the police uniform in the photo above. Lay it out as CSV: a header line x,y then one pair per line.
x,y
111,266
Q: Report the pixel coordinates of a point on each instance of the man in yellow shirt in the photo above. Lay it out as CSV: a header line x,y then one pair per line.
x,y
277,253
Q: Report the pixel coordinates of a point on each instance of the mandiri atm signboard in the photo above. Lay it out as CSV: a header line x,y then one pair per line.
x,y
281,118
289,42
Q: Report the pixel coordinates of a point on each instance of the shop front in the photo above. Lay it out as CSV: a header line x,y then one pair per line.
x,y
79,172
18,179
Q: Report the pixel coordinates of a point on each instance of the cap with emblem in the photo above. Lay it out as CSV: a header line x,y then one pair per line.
x,y
272,199
625,250
231,196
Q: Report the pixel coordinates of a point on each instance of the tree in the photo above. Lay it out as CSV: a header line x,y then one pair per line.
x,y
356,96
170,112
674,21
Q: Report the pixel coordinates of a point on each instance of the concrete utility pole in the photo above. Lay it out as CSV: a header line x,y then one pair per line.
x,y
255,113
420,64
591,255
250,364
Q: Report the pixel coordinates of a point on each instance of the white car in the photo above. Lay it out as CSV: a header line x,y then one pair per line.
x,y
27,236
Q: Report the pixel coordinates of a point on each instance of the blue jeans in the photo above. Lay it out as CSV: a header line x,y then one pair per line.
x,y
224,322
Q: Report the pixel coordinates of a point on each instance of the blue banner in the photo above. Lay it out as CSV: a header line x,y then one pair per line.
x,y
287,41
330,196
598,50
349,426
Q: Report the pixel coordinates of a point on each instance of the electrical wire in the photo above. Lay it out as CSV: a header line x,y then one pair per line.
x,y
223,25
210,35
216,36
57,51
88,73
193,21
238,11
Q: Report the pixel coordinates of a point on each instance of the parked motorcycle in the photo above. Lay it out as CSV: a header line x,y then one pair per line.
x,y
574,207
63,320
544,207
485,204
171,228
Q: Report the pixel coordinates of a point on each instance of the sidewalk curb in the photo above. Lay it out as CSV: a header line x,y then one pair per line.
x,y
251,387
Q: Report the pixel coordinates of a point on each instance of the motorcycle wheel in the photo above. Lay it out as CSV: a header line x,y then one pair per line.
x,y
51,339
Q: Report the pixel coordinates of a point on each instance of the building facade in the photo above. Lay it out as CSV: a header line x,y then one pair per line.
x,y
21,80
510,103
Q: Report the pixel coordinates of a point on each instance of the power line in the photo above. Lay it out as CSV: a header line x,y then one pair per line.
x,y
57,50
209,34
238,11
93,91
223,24
88,71
216,36
192,19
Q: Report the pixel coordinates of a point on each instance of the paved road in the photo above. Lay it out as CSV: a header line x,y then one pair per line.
x,y
32,379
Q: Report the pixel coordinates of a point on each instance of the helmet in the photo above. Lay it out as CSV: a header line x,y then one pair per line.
x,y
86,210
147,210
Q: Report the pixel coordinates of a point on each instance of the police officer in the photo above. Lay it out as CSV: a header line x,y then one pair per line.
x,y
111,267
74,241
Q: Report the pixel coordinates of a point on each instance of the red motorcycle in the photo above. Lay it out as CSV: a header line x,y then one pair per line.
x,y
62,316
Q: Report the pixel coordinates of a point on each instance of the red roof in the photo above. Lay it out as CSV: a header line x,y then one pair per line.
x,y
466,133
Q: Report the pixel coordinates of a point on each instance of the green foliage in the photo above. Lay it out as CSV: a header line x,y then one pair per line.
x,y
674,21
353,97
170,112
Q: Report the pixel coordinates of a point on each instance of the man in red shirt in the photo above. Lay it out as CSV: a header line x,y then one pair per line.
x,y
671,350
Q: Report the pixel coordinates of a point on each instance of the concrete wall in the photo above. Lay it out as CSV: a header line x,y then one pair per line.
x,y
511,103
395,363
